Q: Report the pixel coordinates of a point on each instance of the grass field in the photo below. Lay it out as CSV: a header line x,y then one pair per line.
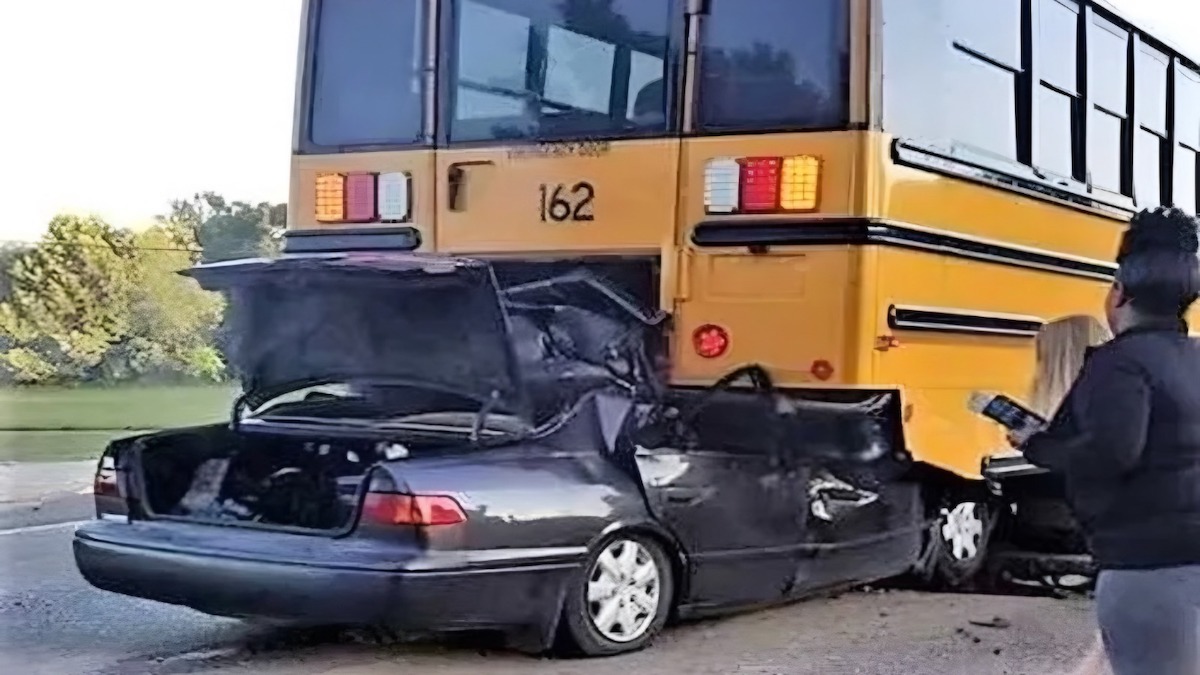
x,y
60,424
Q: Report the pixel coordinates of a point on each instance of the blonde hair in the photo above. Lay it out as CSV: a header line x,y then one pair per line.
x,y
1061,346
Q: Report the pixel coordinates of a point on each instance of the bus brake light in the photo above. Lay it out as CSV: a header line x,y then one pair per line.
x,y
360,197
710,341
762,185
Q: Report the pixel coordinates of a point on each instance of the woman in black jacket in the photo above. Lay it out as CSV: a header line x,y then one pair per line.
x,y
1127,439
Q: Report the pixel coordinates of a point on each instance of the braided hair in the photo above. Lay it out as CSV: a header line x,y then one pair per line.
x,y
1159,272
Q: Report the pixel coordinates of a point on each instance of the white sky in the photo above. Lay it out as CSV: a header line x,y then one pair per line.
x,y
115,107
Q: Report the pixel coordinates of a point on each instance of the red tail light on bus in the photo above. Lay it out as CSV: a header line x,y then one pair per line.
x,y
710,341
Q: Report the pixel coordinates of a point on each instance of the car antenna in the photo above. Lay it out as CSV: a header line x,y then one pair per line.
x,y
482,415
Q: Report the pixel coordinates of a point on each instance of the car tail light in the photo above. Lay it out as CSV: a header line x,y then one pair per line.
x,y
710,341
386,505
105,482
762,184
419,510
107,486
363,197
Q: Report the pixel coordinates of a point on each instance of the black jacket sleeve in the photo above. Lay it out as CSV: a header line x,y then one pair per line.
x,y
1109,409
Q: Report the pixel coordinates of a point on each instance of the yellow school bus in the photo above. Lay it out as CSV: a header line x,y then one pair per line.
x,y
857,195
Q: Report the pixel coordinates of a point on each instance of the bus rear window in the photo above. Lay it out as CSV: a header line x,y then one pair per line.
x,y
771,65
366,84
539,70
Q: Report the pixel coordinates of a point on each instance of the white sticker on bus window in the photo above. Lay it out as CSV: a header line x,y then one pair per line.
x,y
493,47
470,104
579,71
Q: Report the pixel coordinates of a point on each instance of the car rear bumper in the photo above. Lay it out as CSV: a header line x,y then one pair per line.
x,y
514,596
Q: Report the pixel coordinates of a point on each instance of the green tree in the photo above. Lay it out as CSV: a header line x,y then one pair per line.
x,y
69,301
173,321
595,17
9,252
225,230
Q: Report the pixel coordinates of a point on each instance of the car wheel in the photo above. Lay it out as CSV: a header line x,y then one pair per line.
x,y
960,542
621,598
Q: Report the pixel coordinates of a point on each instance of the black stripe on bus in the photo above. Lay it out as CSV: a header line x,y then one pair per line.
x,y
361,239
944,320
765,234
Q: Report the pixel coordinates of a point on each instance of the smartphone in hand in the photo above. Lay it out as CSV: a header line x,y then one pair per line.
x,y
1021,422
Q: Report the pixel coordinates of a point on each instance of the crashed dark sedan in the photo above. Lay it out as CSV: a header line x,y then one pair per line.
x,y
417,449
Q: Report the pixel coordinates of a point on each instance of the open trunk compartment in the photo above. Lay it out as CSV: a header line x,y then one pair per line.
x,y
215,475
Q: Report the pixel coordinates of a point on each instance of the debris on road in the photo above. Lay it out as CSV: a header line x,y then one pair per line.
x,y
995,622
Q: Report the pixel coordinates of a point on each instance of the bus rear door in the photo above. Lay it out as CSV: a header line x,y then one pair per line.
x,y
558,127
769,157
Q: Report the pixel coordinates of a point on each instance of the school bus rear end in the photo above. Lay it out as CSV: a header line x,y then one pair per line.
x,y
766,171
627,152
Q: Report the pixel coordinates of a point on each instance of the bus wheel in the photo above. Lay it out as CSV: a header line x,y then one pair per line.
x,y
960,542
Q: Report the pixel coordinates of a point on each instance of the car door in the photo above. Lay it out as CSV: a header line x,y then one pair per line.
x,y
866,514
732,497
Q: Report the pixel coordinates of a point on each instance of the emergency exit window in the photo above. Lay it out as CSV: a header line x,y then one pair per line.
x,y
772,65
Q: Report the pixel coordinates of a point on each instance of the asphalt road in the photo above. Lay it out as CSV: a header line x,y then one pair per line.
x,y
52,622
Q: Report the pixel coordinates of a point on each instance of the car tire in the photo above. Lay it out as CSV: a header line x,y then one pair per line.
x,y
961,539
627,578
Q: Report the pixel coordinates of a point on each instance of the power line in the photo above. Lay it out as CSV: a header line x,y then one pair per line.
x,y
28,245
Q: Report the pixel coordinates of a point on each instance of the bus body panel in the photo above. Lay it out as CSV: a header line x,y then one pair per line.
x,y
787,307
591,197
939,370
785,311
919,196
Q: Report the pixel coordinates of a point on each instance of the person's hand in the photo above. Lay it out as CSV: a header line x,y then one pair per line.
x,y
1019,437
